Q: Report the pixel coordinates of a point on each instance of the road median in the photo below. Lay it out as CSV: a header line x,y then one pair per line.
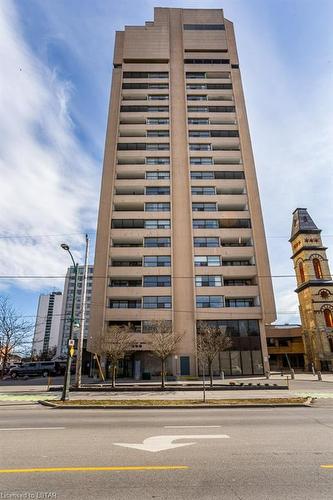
x,y
170,404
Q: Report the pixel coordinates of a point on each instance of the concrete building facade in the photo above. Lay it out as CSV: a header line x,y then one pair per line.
x,y
67,307
314,290
47,326
180,232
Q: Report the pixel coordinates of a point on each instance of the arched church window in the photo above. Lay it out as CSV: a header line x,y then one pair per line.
x,y
328,318
301,272
317,269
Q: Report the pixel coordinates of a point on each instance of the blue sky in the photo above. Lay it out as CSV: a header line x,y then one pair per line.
x,y
54,89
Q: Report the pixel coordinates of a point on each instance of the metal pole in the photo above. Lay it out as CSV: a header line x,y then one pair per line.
x,y
83,318
67,378
203,382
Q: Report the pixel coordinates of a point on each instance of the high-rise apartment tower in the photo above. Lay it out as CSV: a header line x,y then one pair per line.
x,y
47,326
67,307
180,232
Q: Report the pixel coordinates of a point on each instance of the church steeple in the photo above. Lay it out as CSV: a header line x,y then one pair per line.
x,y
314,289
302,223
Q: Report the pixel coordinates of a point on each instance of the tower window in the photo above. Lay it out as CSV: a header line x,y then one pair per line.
x,y
301,272
328,318
317,269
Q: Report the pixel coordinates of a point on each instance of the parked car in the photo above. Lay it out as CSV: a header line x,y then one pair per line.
x,y
38,368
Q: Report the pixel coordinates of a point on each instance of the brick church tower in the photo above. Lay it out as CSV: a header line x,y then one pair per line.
x,y
314,290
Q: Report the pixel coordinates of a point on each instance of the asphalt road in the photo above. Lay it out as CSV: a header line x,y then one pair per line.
x,y
269,454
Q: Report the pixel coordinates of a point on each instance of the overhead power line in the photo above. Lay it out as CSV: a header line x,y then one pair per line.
x,y
62,276
93,231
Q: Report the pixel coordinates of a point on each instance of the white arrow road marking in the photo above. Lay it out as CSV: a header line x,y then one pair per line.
x,y
161,443
190,426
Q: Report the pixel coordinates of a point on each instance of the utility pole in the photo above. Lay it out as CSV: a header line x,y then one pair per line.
x,y
65,389
78,373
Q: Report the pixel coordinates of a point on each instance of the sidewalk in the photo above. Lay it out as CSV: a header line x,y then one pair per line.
x,y
304,385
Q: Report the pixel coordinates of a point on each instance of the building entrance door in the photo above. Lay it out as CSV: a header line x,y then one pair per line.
x,y
184,365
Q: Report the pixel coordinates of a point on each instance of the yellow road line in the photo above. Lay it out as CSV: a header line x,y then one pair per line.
x,y
326,466
95,469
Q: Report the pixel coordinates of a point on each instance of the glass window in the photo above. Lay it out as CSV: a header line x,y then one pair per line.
x,y
157,261
219,85
204,207
157,175
158,161
198,121
195,74
257,363
229,175
156,109
157,242
198,109
204,27
207,61
198,190
224,133
162,190
208,280
157,207
211,242
157,147
236,262
127,223
142,74
196,86
199,133
301,271
246,362
200,147
317,269
157,224
201,161
125,304
202,175
196,97
209,301
207,260
159,302
158,85
157,133
210,109
236,366
205,223
151,281
239,302
157,121
235,223
157,97
328,318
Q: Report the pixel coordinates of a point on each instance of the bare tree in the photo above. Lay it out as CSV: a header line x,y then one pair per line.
x,y
163,343
116,342
211,340
47,355
15,332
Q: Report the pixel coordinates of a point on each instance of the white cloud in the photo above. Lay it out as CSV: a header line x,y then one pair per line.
x,y
49,184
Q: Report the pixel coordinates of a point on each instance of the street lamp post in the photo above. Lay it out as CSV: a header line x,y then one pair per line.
x,y
83,318
65,389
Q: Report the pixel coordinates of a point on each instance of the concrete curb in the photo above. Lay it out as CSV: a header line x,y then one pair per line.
x,y
307,403
169,388
27,403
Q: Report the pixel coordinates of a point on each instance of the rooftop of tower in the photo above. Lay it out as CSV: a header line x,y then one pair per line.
x,y
302,223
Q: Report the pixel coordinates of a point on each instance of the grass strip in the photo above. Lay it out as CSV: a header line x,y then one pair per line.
x,y
179,402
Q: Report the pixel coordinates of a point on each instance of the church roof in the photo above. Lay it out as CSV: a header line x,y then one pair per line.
x,y
302,223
